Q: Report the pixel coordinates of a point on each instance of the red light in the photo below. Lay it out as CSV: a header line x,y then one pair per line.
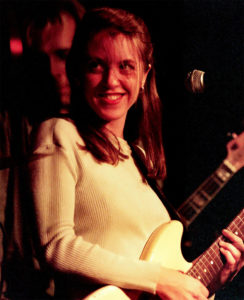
x,y
16,46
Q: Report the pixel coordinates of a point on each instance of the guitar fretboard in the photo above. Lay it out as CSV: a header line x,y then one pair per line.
x,y
192,207
209,264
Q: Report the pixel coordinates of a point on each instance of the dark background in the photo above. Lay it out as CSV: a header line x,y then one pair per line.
x,y
190,34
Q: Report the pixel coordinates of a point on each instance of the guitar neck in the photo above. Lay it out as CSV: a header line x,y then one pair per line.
x,y
209,264
193,206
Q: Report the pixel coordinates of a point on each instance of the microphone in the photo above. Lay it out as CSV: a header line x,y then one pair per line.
x,y
195,81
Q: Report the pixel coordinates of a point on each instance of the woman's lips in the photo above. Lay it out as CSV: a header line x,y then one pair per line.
x,y
111,98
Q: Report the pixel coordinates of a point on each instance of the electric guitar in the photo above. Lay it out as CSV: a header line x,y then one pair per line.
x,y
208,265
205,268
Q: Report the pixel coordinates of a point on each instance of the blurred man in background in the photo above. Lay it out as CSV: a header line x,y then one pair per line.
x,y
42,90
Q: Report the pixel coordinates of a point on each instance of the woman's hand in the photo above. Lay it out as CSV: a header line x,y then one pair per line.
x,y
233,252
176,285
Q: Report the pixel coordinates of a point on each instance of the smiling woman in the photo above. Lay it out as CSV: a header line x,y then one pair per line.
x,y
113,78
93,204
115,58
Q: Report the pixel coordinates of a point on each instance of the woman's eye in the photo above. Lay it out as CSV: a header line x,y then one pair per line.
x,y
127,66
95,67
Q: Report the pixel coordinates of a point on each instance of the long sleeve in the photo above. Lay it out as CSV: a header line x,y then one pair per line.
x,y
79,229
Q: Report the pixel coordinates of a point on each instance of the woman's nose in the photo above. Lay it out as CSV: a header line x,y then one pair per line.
x,y
111,77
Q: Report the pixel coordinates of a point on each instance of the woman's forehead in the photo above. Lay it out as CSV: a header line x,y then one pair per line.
x,y
113,44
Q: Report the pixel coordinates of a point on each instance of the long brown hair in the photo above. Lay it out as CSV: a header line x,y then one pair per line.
x,y
143,122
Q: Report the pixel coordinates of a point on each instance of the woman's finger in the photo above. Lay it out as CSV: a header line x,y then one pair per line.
x,y
234,239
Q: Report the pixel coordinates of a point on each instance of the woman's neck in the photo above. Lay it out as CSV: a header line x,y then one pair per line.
x,y
116,127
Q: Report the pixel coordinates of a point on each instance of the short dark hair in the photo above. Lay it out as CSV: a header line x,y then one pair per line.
x,y
42,12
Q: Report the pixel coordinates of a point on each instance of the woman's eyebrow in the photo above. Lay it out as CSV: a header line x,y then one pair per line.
x,y
96,58
129,61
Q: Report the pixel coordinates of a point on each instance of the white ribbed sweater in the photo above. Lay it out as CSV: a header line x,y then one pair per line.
x,y
93,218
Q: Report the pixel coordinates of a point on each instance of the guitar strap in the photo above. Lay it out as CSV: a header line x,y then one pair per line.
x,y
139,158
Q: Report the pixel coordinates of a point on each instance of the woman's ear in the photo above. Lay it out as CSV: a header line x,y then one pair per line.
x,y
144,78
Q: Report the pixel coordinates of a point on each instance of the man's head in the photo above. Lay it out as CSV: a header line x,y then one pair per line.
x,y
49,35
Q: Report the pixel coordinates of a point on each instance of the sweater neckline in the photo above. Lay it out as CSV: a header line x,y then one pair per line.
x,y
125,147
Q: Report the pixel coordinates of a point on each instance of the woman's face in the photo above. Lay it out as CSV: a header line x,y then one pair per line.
x,y
114,75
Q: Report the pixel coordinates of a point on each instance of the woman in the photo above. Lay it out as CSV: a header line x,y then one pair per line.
x,y
94,208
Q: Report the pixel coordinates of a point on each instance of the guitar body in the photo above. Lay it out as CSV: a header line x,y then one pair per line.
x,y
108,292
169,234
163,246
